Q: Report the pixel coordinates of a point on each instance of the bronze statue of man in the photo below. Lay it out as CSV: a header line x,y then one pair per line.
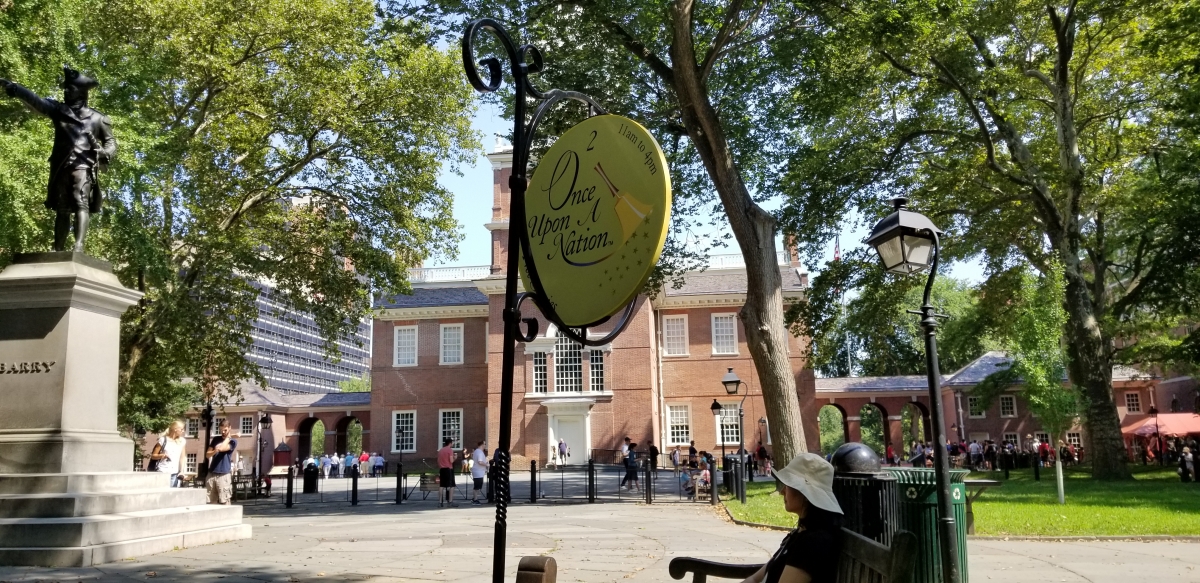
x,y
83,145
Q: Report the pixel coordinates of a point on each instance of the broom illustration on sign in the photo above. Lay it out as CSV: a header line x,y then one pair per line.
x,y
630,211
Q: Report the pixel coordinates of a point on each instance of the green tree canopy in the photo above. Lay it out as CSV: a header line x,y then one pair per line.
x,y
293,143
1029,131
872,333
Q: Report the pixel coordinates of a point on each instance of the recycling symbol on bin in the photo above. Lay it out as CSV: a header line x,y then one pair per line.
x,y
958,494
911,493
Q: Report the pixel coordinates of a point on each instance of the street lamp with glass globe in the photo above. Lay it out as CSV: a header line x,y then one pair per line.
x,y
732,384
264,423
716,411
908,243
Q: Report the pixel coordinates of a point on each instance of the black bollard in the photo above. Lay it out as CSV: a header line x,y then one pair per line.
x,y
399,482
354,488
591,480
533,481
1037,468
649,484
288,503
491,491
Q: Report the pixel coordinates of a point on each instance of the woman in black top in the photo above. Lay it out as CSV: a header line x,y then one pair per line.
x,y
810,553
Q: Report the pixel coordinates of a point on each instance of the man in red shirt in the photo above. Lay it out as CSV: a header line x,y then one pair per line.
x,y
446,473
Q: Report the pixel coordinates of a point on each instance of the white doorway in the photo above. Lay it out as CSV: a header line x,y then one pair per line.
x,y
571,429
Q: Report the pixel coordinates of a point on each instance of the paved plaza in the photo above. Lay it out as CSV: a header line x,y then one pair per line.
x,y
612,541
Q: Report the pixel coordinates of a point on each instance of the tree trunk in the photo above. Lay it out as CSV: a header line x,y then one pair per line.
x,y
1090,368
754,229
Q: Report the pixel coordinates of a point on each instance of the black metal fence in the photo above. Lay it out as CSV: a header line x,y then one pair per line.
x,y
590,483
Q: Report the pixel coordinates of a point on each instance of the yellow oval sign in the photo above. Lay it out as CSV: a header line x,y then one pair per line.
x,y
596,212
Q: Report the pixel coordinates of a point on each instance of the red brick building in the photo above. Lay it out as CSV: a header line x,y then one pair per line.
x,y
437,364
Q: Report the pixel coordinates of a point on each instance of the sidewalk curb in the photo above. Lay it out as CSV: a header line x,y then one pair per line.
x,y
1099,538
1084,538
754,524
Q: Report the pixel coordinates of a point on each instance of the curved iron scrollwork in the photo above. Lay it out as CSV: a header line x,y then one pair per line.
x,y
525,60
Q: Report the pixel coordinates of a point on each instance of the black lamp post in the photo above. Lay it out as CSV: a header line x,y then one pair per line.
x,y
716,411
207,416
264,424
907,243
732,384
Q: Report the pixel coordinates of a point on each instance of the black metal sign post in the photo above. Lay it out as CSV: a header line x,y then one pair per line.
x,y
518,242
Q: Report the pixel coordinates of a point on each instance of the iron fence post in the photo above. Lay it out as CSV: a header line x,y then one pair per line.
x,y
288,503
591,480
533,481
399,482
354,489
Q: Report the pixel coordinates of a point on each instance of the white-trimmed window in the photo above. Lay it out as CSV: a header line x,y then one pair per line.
x,y
724,334
1043,437
679,424
450,426
218,423
596,371
1133,402
406,346
1013,438
727,424
539,372
193,427
1075,438
189,465
975,408
452,344
675,335
568,365
404,431
247,425
1008,406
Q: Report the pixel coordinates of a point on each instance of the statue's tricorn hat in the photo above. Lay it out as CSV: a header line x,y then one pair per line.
x,y
73,78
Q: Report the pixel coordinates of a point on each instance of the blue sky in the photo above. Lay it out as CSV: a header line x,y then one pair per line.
x,y
473,203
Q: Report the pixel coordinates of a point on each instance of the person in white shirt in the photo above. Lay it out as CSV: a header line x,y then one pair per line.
x,y
308,460
168,452
335,464
479,467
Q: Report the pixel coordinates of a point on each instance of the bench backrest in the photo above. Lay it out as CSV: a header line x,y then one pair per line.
x,y
866,561
862,561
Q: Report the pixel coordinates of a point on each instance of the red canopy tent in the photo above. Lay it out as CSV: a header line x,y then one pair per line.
x,y
1167,425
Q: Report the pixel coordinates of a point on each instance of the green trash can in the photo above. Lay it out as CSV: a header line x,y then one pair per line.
x,y
919,515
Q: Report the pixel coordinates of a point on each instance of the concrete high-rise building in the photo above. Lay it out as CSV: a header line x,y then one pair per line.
x,y
288,348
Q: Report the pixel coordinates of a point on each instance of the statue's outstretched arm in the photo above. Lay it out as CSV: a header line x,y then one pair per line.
x,y
45,107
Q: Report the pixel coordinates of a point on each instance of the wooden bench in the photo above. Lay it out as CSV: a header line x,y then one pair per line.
x,y
862,561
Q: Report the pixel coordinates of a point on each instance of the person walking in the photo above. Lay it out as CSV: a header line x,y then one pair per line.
x,y
168,453
335,465
219,453
479,469
379,463
631,469
325,462
675,455
692,455
446,473
364,464
562,451
654,459
349,462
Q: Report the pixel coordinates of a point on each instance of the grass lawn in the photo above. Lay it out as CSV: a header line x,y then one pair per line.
x,y
1155,502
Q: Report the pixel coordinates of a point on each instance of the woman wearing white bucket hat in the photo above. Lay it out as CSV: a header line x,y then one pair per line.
x,y
809,553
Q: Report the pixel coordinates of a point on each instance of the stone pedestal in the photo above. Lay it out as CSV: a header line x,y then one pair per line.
x,y
67,497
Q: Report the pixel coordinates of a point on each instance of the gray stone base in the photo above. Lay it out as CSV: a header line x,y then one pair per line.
x,y
108,553
57,451
79,520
